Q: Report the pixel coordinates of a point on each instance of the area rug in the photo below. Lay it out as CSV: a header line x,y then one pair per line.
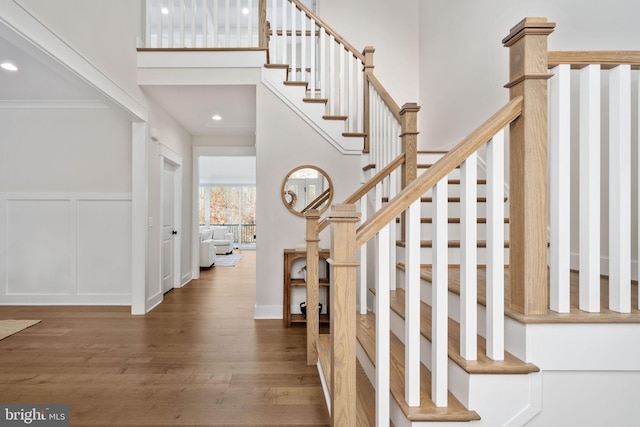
x,y
228,260
11,326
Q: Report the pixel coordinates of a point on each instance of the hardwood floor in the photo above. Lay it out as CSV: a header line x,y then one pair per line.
x,y
197,359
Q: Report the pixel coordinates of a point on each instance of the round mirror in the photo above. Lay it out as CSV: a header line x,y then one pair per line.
x,y
305,188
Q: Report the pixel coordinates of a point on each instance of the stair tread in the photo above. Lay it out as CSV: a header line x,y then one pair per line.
x,y
452,243
575,316
295,83
454,220
449,199
484,365
427,411
327,117
354,134
277,66
366,394
316,100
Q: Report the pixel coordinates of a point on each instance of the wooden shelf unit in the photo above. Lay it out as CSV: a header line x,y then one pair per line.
x,y
289,256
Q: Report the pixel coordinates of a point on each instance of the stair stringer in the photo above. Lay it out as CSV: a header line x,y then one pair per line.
x,y
312,113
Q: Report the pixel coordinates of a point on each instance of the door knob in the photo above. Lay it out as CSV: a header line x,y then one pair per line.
x,y
174,232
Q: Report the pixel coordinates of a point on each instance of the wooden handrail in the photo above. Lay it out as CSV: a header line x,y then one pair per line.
x,y
315,203
328,29
368,186
439,170
607,59
391,104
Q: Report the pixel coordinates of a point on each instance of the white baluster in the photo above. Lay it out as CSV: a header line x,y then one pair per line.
x,y
182,17
250,17
227,24
589,216
159,29
216,30
342,78
559,187
620,189
495,247
439,289
393,233
205,24
238,35
332,75
170,19
412,304
284,4
194,7
351,92
294,45
273,44
364,209
383,325
303,48
322,68
638,167
147,19
469,258
312,59
359,95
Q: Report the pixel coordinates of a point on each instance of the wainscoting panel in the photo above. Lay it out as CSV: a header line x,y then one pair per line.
x,y
104,247
40,252
65,249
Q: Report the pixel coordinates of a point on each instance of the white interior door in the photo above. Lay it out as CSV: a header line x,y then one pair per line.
x,y
169,230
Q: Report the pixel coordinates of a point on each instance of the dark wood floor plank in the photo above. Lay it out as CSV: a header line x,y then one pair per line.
x,y
197,359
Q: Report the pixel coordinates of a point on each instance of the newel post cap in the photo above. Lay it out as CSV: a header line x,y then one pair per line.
x,y
529,26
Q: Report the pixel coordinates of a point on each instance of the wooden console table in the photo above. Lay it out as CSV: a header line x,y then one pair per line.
x,y
290,255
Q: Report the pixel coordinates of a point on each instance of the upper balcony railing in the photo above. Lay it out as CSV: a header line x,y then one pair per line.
x,y
193,24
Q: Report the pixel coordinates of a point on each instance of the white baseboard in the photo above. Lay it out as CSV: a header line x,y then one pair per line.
x,y
185,279
267,312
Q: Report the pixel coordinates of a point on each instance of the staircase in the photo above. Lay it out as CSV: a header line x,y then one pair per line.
x,y
455,323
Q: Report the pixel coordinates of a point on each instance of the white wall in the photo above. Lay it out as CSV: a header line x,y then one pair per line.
x,y
463,65
588,399
391,28
283,142
65,207
88,27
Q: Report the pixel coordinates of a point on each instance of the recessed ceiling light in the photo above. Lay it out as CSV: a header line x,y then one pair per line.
x,y
8,66
216,117
165,11
245,10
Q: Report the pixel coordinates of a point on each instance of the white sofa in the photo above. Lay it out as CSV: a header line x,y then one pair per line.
x,y
207,253
222,238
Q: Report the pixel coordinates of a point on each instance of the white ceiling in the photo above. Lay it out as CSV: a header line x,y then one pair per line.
x,y
193,107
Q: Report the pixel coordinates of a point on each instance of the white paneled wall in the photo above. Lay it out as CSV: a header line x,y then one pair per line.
x,y
65,249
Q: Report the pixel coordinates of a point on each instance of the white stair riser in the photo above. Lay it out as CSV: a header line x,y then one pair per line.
x,y
454,190
453,231
453,208
453,256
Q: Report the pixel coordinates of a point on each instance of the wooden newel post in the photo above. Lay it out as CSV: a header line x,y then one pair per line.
x,y
313,283
368,70
527,43
263,31
409,137
343,219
